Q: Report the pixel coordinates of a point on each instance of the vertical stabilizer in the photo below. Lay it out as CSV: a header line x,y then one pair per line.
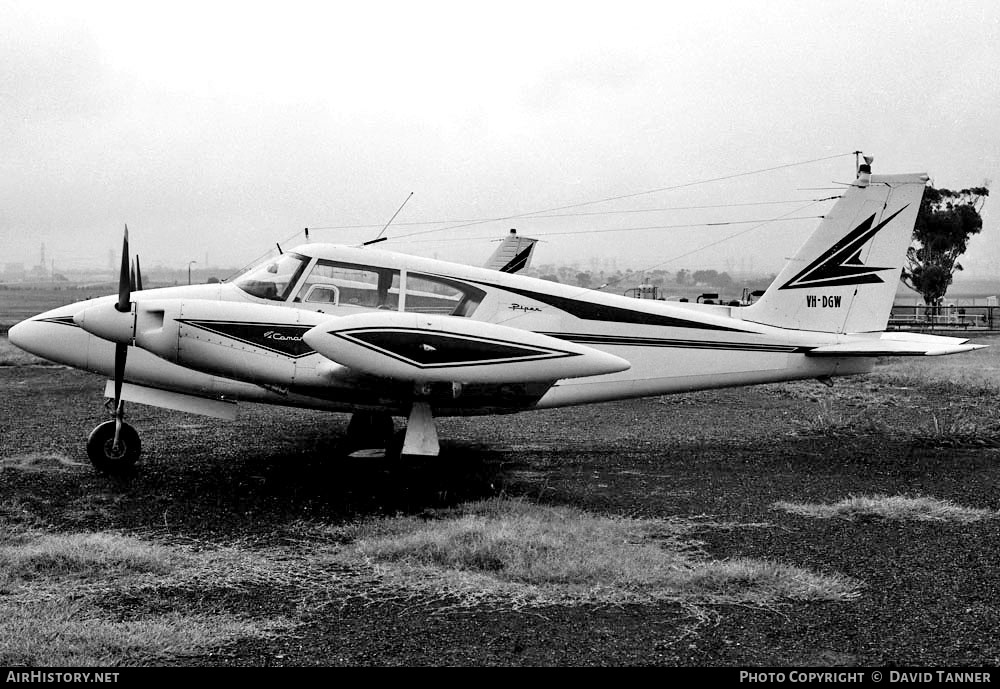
x,y
844,279
513,254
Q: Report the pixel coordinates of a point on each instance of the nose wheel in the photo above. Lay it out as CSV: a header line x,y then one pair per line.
x,y
109,456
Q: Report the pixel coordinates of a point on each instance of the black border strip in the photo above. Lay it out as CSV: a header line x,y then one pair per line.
x,y
623,341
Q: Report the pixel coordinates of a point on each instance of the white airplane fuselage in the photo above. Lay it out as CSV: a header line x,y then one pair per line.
x,y
671,347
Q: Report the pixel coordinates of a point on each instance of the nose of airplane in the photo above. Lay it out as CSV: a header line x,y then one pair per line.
x,y
52,335
19,335
33,336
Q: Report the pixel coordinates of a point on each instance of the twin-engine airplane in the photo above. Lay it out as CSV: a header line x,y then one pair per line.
x,y
382,334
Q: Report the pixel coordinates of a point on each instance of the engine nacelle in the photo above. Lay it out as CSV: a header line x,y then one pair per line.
x,y
250,342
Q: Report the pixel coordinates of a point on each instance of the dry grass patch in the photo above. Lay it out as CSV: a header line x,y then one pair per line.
x,y
39,462
830,420
889,507
56,633
55,590
81,557
528,554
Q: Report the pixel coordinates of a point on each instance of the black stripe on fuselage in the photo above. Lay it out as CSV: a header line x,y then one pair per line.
x,y
622,341
590,311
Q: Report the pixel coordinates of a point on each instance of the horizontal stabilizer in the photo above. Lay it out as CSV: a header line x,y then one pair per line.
x,y
898,344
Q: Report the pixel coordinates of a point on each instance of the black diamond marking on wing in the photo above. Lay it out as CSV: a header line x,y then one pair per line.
x,y
273,337
434,349
841,264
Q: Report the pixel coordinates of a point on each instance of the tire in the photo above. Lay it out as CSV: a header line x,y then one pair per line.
x,y
101,452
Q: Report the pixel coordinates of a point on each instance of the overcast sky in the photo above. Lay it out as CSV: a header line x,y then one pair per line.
x,y
217,129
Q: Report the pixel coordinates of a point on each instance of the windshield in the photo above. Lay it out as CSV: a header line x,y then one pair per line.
x,y
273,279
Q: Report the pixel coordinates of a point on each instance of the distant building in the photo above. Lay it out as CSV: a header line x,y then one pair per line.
x,y
13,271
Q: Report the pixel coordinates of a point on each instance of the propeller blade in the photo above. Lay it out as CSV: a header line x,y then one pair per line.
x,y
131,278
124,291
138,275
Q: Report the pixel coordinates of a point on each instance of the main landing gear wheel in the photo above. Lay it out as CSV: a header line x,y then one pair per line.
x,y
109,459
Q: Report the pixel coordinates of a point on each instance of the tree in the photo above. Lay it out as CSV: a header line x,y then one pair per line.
x,y
704,277
713,278
945,223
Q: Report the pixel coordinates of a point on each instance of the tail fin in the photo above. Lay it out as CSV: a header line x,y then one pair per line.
x,y
844,279
513,254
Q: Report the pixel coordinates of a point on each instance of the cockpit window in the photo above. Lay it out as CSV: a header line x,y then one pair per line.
x,y
347,284
274,279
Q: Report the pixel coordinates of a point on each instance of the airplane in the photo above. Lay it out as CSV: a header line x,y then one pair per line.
x,y
381,334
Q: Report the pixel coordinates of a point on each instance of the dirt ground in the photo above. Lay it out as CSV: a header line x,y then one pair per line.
x,y
930,592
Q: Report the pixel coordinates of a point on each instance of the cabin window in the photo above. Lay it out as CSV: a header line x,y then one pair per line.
x,y
347,284
431,294
273,279
322,294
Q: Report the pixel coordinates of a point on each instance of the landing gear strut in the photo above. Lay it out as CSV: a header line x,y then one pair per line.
x,y
421,434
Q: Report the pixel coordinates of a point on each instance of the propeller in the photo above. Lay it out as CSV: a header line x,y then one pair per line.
x,y
115,322
126,282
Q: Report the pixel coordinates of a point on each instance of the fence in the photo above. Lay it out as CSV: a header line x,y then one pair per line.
x,y
981,318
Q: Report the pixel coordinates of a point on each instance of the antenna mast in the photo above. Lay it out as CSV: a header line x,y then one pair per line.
x,y
378,237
